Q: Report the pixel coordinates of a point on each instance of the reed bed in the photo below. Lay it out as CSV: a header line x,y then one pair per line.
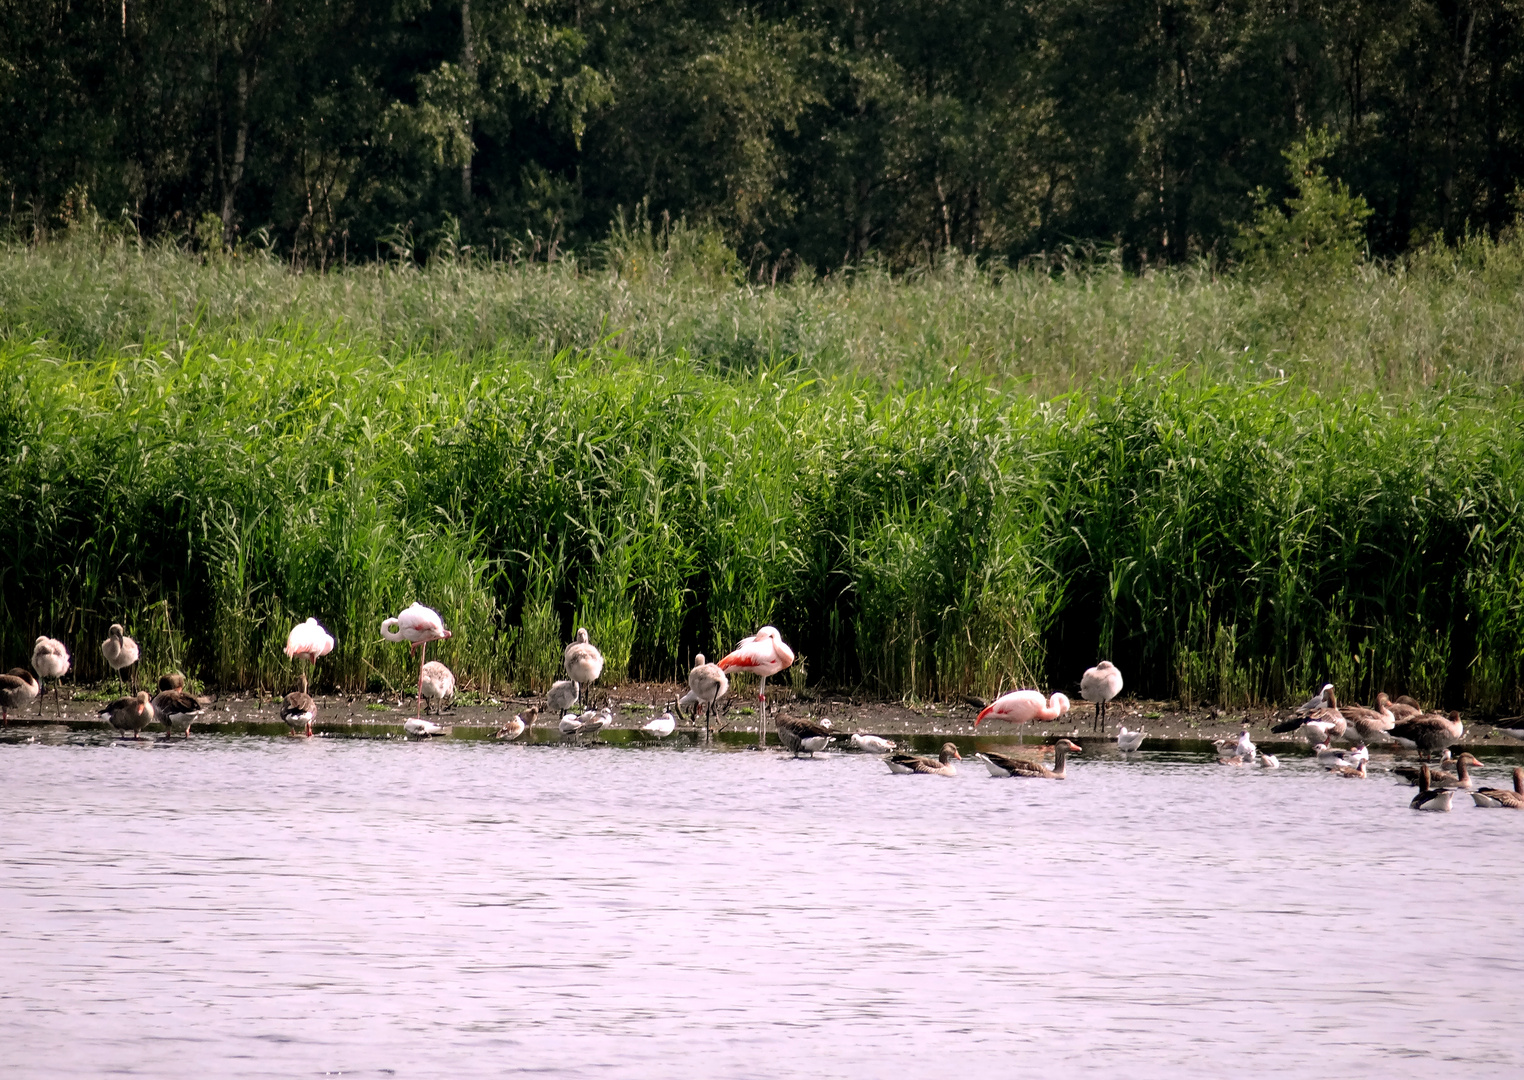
x,y
1226,539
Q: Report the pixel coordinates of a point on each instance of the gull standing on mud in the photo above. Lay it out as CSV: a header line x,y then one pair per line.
x,y
1023,707
764,654
417,626
51,661
120,652
1100,684
583,662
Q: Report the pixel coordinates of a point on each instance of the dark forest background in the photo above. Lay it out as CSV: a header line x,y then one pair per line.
x,y
807,133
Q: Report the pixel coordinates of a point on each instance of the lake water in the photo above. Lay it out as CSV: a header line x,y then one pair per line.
x,y
282,907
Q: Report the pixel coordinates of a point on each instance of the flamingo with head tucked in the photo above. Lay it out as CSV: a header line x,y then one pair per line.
x,y
120,652
764,654
310,642
51,661
1023,707
417,626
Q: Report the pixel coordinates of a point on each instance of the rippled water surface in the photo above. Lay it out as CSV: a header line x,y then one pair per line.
x,y
258,907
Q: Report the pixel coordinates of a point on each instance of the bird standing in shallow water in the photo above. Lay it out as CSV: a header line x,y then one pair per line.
x,y
1023,707
707,683
659,727
438,685
298,709
518,725
130,713
51,661
18,688
1100,684
120,652
416,625
764,654
1129,741
583,662
175,709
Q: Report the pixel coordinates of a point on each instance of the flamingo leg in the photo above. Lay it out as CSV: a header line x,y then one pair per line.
x,y
762,723
423,651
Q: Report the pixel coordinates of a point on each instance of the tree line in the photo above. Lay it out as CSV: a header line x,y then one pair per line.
x,y
805,133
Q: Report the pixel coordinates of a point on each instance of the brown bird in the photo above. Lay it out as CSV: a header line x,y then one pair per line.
x,y
18,689
1497,798
298,709
1428,798
800,734
941,765
1351,773
176,709
1429,732
1000,765
1370,725
130,713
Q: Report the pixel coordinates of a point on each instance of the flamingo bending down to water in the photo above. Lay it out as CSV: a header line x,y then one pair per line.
x,y
120,652
764,654
17,689
1023,707
417,626
707,683
1100,684
51,661
583,661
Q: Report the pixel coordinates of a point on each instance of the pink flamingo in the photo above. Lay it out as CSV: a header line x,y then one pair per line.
x,y
1024,706
417,626
310,642
761,654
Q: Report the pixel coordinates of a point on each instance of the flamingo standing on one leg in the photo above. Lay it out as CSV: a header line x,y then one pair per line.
x,y
308,641
761,654
417,626
51,661
1024,706
707,683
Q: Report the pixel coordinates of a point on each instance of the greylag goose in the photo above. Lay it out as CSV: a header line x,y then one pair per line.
x,y
1431,799
872,744
130,713
797,734
51,661
18,689
1437,777
1429,732
298,709
1370,725
1129,741
941,765
1498,798
1320,725
121,652
1351,772
521,723
1099,685
707,683
583,662
764,654
438,686
659,727
1001,765
176,709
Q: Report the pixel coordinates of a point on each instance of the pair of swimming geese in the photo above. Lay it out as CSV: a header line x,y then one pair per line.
x,y
800,735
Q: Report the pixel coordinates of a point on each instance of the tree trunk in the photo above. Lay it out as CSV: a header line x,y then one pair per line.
x,y
1453,125
240,149
467,61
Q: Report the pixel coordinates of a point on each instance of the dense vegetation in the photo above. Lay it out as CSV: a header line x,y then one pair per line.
x,y
948,482
810,135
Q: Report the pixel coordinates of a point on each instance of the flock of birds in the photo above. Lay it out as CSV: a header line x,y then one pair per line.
x,y
1322,720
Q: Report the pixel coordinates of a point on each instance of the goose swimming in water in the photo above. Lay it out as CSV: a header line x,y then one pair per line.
x,y
1435,801
1000,765
805,735
1500,799
914,764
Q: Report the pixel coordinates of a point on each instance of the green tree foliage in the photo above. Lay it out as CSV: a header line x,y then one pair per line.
x,y
807,133
1323,228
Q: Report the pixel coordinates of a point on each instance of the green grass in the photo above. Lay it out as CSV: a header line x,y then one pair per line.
x,y
211,454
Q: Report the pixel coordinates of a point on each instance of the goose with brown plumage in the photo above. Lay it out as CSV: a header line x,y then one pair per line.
x,y
1500,799
913,764
298,710
1319,725
801,734
1429,732
18,689
130,713
175,708
1370,725
1434,800
1002,765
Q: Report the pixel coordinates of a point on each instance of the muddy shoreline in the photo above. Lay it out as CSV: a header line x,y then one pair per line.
x,y
919,725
